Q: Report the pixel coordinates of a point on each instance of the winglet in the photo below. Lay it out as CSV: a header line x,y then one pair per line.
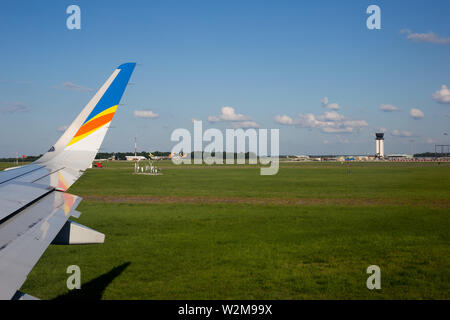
x,y
79,144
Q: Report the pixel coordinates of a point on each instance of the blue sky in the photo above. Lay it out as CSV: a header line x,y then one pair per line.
x,y
272,62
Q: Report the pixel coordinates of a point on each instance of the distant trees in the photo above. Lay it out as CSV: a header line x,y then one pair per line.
x,y
427,155
122,155
27,159
224,155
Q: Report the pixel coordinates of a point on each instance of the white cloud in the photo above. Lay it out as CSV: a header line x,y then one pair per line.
x,y
244,124
72,86
332,116
8,107
429,37
356,123
213,119
283,119
333,106
388,108
329,122
403,134
62,128
228,114
337,130
443,95
416,113
145,114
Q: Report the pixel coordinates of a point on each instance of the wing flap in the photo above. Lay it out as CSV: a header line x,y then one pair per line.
x,y
15,173
14,196
25,237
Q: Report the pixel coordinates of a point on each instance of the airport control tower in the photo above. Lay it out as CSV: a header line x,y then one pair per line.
x,y
380,145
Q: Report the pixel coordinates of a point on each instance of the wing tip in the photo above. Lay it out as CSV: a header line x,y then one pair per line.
x,y
127,66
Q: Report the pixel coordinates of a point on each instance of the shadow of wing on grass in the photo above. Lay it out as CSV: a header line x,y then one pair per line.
x,y
94,289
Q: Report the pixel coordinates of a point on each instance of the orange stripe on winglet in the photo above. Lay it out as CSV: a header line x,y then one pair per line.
x,y
91,125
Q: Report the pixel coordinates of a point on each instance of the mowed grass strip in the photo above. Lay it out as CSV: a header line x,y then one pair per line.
x,y
235,251
269,201
422,181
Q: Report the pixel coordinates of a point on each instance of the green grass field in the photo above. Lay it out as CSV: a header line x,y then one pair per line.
x,y
226,232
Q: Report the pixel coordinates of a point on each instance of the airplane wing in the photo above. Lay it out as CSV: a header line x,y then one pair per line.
x,y
34,205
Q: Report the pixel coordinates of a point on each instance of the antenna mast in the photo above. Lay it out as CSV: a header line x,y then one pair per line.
x,y
135,163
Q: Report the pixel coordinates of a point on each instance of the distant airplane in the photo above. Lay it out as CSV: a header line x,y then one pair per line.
x,y
153,157
34,205
133,158
180,155
298,157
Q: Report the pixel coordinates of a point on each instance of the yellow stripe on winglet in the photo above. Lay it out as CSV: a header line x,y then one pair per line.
x,y
104,112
